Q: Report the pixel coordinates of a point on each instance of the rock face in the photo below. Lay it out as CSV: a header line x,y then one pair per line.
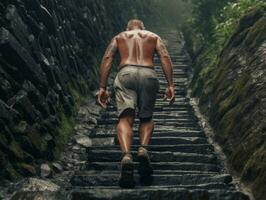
x,y
49,55
233,95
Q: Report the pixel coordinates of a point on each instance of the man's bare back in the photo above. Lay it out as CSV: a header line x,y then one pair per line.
x,y
137,47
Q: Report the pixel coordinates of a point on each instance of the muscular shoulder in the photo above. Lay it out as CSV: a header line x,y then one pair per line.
x,y
125,34
152,34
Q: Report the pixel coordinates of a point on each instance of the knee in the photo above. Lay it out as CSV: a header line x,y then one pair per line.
x,y
126,118
145,120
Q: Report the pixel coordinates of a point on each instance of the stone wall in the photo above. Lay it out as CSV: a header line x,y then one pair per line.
x,y
233,95
49,58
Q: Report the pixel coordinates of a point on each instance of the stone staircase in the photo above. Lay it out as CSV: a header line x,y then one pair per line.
x,y
185,165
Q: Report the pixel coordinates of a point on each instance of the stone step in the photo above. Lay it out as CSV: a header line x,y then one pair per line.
x,y
186,148
157,193
83,179
107,141
175,73
191,126
161,127
160,172
174,122
115,155
157,166
160,106
173,140
158,116
206,186
98,133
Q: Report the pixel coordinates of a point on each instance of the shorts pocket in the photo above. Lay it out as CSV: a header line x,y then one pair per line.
x,y
124,76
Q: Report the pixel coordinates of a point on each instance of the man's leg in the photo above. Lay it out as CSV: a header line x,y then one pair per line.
x,y
145,130
125,134
145,169
125,131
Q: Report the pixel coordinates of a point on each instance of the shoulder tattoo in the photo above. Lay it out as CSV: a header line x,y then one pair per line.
x,y
111,49
162,50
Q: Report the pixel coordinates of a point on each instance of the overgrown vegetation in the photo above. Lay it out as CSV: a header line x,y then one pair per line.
x,y
225,39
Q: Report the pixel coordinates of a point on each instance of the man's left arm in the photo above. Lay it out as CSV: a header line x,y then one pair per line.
x,y
106,63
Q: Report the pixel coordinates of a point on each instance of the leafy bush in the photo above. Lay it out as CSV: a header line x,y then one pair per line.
x,y
229,17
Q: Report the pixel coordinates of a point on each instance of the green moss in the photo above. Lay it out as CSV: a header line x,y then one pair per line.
x,y
38,142
26,169
63,133
256,164
11,174
16,150
256,34
77,98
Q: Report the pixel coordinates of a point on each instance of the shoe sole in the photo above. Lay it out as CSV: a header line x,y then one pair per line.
x,y
126,179
145,170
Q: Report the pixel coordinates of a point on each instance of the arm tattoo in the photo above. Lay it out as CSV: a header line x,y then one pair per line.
x,y
111,49
107,62
161,48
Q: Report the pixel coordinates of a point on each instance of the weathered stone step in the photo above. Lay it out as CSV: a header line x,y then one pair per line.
x,y
206,186
161,127
165,107
187,112
178,92
173,140
115,155
83,179
158,116
192,125
157,193
163,83
160,172
157,166
178,74
158,121
107,141
176,64
178,108
176,104
177,89
98,133
186,148
177,100
175,72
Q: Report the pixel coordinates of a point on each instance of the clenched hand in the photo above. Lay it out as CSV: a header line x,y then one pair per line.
x,y
103,97
170,94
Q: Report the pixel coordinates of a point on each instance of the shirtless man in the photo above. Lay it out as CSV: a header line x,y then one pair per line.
x,y
136,86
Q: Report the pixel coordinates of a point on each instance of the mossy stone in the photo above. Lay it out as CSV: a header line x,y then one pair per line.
x,y
26,169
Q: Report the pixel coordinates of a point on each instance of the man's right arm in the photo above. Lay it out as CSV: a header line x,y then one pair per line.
x,y
165,60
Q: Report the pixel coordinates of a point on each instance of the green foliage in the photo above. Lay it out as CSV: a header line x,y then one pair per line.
x,y
63,132
203,13
229,17
213,22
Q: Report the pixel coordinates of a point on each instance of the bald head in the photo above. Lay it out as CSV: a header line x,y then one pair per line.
x,y
135,23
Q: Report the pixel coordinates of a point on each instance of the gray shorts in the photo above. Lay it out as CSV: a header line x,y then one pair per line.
x,y
136,87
